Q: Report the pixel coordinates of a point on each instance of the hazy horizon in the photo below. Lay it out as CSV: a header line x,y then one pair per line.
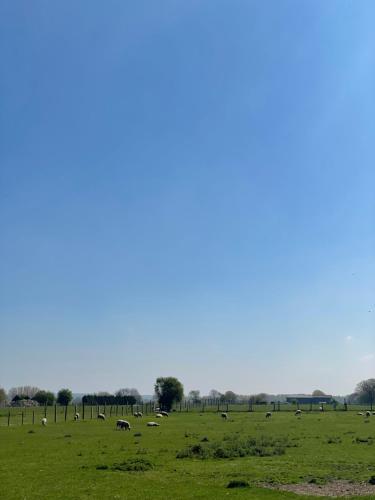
x,y
187,189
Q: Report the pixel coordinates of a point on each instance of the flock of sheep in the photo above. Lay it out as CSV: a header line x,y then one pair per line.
x,y
125,425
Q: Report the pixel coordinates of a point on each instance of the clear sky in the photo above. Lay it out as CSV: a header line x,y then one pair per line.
x,y
187,189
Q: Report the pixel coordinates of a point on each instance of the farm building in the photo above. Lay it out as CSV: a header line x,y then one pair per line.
x,y
308,399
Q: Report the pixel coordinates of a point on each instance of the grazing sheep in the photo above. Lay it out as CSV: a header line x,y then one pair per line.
x,y
368,413
224,416
360,413
101,416
123,424
44,421
152,424
268,414
298,412
321,408
159,415
76,416
138,414
164,413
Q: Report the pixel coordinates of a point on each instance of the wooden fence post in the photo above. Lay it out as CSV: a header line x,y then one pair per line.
x,y
33,417
83,411
66,412
55,414
22,418
9,418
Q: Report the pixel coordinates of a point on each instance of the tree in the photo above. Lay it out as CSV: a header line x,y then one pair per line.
x,y
44,398
168,390
129,392
22,392
64,396
260,398
214,394
194,396
3,396
229,396
318,392
366,391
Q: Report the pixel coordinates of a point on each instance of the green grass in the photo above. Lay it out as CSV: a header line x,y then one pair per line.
x,y
92,460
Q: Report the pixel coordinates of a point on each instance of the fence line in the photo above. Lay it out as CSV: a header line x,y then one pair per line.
x,y
33,415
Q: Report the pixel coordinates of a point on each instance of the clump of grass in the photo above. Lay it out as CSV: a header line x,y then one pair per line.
x,y
133,465
368,440
31,432
334,440
238,484
138,434
130,465
67,436
234,446
204,439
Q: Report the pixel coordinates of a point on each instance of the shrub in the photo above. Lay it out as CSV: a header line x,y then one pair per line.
x,y
238,484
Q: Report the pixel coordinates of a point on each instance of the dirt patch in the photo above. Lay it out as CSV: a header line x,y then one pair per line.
x,y
331,489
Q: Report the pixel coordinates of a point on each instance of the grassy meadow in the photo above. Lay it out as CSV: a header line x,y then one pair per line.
x,y
191,455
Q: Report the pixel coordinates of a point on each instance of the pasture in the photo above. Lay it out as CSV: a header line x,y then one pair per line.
x,y
191,455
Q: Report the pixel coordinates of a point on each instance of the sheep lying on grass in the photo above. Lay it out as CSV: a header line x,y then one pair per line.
x,y
152,424
123,424
164,413
101,416
159,415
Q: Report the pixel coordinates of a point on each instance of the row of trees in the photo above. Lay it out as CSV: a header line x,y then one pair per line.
x,y
168,390
42,397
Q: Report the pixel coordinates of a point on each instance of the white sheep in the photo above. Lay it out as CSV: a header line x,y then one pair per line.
x,y
76,416
164,413
123,424
152,424
298,412
159,415
360,413
138,414
321,408
268,414
44,421
224,416
368,413
101,416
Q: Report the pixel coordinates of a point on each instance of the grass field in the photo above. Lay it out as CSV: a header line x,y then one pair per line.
x,y
190,455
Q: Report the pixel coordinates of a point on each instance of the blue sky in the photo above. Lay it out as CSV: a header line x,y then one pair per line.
x,y
187,189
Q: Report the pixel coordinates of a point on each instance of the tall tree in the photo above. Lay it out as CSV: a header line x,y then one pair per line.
x,y
64,396
3,396
168,390
366,391
318,392
194,396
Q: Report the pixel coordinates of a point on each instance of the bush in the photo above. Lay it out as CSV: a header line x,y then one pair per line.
x,y
234,446
238,484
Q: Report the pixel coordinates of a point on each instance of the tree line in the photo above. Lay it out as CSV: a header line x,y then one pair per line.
x,y
168,391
